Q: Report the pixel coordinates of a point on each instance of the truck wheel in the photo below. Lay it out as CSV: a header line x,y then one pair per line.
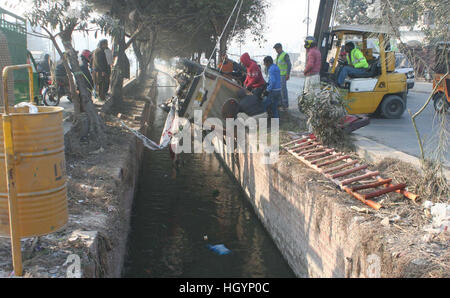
x,y
392,107
440,102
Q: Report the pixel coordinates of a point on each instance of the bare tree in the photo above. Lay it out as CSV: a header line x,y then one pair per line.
x,y
59,19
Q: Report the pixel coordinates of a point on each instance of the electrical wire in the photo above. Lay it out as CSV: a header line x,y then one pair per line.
x,y
217,46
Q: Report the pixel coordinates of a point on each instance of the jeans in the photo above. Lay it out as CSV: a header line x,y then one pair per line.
x,y
271,103
258,91
348,70
284,93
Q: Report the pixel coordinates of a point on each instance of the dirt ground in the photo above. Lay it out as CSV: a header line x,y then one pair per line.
x,y
96,186
397,228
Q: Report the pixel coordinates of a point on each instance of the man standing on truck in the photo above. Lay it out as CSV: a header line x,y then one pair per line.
x,y
284,64
313,63
254,81
357,63
230,68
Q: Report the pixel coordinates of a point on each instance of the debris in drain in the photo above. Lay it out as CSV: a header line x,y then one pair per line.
x,y
219,249
440,214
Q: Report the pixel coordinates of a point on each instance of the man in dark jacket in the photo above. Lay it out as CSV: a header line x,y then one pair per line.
x,y
61,77
86,56
246,103
44,65
101,69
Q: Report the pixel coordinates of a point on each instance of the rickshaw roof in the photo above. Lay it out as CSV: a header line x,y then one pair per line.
x,y
361,29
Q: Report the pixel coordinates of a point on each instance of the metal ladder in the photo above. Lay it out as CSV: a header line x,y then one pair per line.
x,y
333,165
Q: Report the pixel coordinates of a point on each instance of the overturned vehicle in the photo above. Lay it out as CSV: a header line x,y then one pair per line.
x,y
209,91
222,96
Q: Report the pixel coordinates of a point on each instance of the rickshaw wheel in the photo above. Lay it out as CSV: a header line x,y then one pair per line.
x,y
440,102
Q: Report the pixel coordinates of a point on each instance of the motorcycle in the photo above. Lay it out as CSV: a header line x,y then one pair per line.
x,y
53,91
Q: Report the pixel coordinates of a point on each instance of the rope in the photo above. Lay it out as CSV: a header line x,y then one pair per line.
x,y
215,49
235,23
146,141
170,131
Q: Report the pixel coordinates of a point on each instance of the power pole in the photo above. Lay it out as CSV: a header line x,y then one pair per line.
x,y
321,32
307,21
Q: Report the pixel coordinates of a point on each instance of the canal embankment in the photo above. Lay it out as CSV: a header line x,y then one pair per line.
x,y
100,191
183,210
323,232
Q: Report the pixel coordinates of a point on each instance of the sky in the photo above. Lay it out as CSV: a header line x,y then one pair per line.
x,y
285,23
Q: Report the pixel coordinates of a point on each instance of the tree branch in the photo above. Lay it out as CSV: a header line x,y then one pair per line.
x,y
134,35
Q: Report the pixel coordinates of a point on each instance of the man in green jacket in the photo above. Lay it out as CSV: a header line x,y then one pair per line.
x,y
284,64
357,63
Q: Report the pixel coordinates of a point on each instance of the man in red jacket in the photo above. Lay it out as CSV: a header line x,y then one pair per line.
x,y
313,64
254,81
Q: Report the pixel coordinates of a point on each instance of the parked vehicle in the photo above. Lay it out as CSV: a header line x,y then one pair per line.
x,y
54,91
441,97
402,65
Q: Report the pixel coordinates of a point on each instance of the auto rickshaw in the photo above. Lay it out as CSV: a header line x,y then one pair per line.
x,y
441,96
379,91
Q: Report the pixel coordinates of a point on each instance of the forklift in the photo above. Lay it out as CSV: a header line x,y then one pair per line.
x,y
380,91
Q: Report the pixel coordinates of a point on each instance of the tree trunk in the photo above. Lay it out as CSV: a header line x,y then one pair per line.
x,y
145,54
223,42
72,88
120,67
87,125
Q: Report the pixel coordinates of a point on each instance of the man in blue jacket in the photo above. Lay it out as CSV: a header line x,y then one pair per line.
x,y
273,91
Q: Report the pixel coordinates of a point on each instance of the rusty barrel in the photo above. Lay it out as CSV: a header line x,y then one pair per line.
x,y
40,172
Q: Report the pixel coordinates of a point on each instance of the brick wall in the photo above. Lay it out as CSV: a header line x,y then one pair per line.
x,y
316,234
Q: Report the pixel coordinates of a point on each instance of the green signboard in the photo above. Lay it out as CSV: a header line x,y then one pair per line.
x,y
13,28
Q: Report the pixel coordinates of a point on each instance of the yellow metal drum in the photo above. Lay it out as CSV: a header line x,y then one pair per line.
x,y
40,172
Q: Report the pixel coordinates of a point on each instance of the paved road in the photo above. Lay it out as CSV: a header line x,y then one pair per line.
x,y
396,133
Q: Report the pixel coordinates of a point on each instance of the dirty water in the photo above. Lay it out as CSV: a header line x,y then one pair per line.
x,y
175,218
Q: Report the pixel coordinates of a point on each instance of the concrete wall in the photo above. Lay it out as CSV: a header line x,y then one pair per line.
x,y
313,230
107,250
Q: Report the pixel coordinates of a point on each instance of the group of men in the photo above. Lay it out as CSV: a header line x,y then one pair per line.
x,y
273,93
96,68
